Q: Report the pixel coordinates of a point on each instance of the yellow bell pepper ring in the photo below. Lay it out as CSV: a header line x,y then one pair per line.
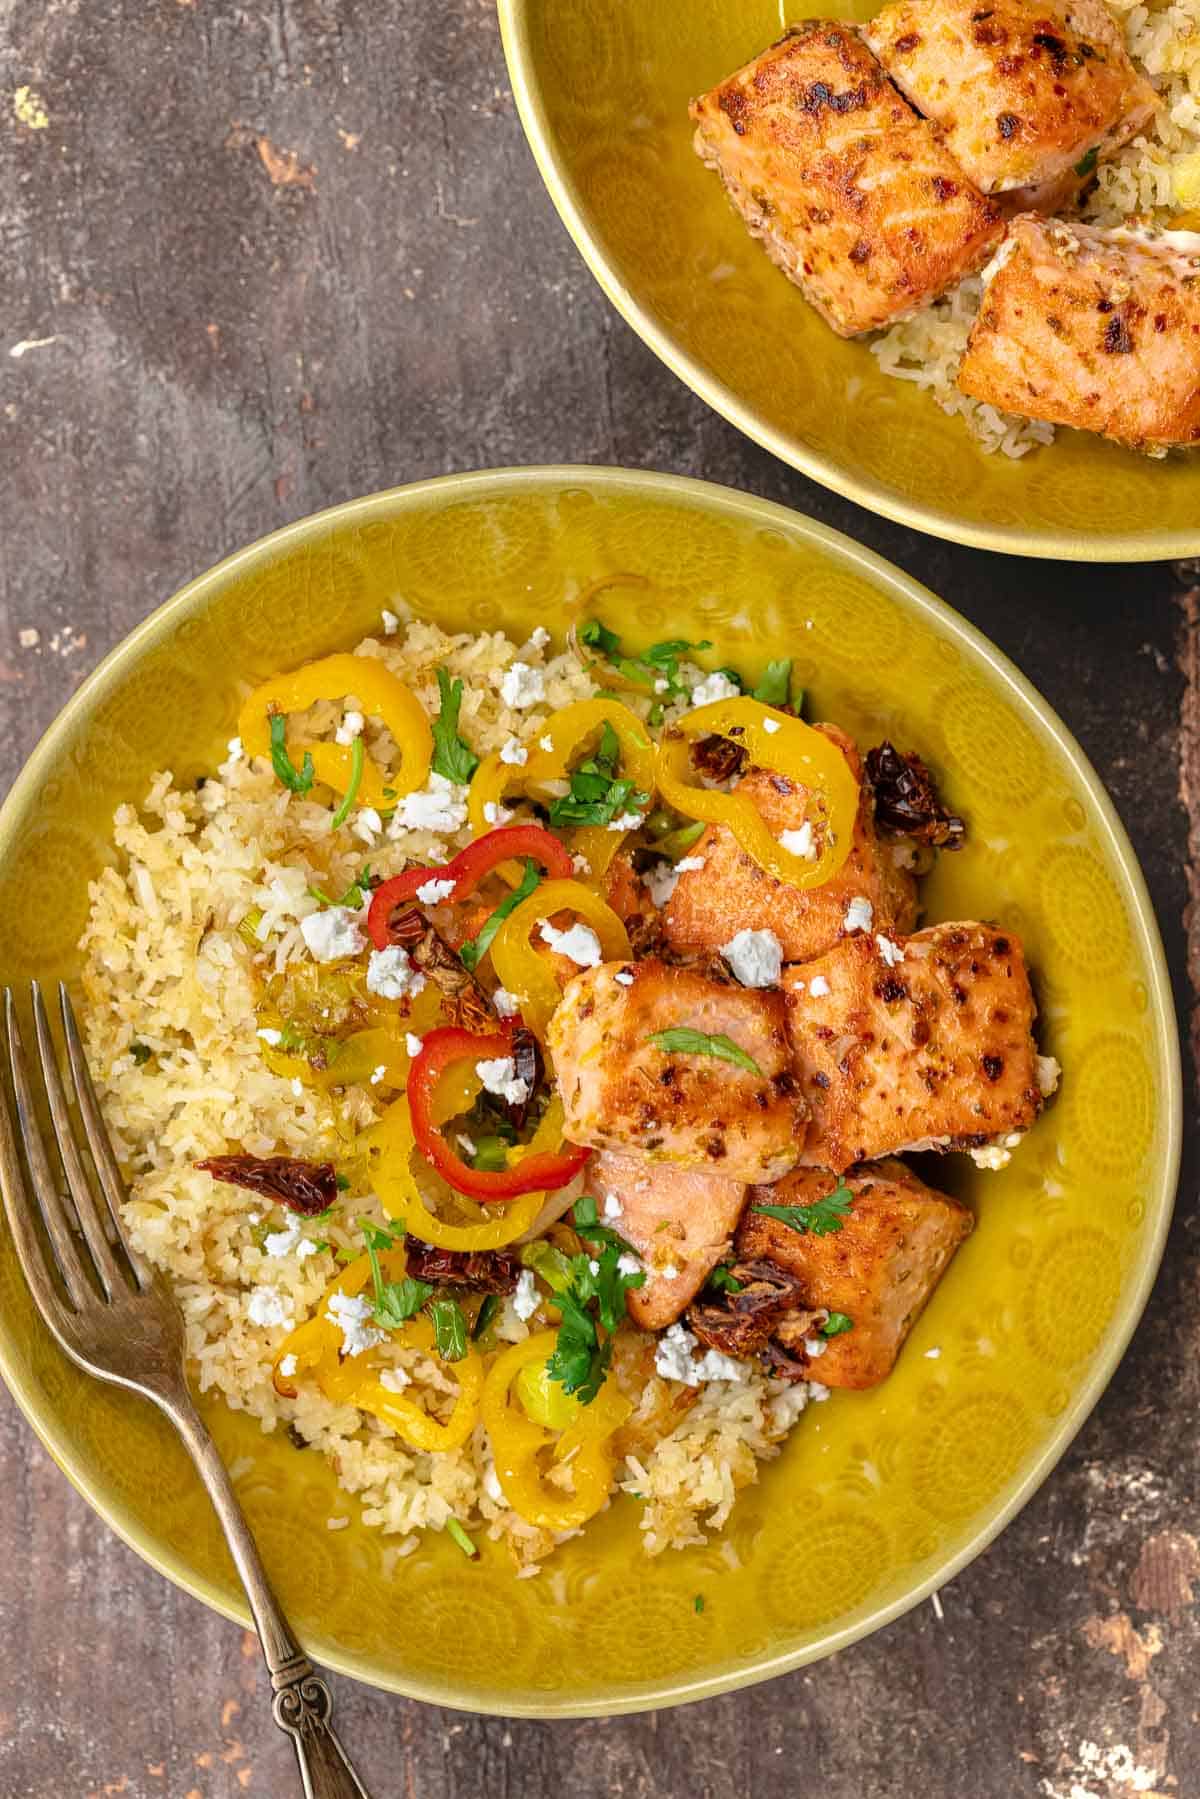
x,y
382,694
525,971
403,1200
409,1419
517,1443
790,748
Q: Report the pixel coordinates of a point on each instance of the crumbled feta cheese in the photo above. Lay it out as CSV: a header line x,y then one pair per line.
x,y
992,1156
412,1044
580,944
593,1267
1049,1069
304,1249
297,1087
522,686
623,978
612,1206
673,1360
495,814
891,952
499,1076
350,728
506,1003
860,914
394,1379
581,865
268,1307
660,881
818,986
800,842
689,864
282,1243
367,825
352,1314
332,934
465,1143
287,1366
514,753
771,725
817,1392
627,1264
392,975
378,1073
391,624
526,1298
546,743
270,1036
756,958
714,687
432,893
235,750
628,821
814,1347
439,806
931,1355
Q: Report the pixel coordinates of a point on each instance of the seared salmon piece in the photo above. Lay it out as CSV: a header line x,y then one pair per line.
x,y
680,1220
848,190
731,893
620,1090
894,1245
921,1042
1023,91
1096,329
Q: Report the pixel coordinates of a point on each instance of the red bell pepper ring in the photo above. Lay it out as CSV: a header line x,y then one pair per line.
x,y
544,1171
467,869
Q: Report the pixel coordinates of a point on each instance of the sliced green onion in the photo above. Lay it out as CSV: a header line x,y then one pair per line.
x,y
457,1534
358,756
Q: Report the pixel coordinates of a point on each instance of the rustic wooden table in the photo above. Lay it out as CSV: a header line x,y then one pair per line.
x,y
260,260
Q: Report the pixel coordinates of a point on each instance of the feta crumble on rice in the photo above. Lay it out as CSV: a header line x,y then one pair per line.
x,y
891,952
526,1299
351,1312
818,986
440,806
432,893
333,934
392,974
800,842
673,1359
268,1307
367,825
714,687
756,958
522,686
350,728
579,944
513,752
860,914
499,1076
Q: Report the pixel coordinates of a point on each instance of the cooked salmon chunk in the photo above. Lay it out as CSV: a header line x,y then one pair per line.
x,y
1023,91
878,1270
852,194
680,1220
915,1042
1096,329
730,892
684,1101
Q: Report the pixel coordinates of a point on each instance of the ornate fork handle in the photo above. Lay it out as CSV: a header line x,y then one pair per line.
x,y
302,1706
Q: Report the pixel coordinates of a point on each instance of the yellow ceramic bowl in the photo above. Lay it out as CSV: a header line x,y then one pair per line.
x,y
603,88
878,1497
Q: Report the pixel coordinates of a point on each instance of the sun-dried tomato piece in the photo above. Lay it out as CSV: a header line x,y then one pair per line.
x,y
465,1000
906,800
741,1324
303,1187
719,758
486,1270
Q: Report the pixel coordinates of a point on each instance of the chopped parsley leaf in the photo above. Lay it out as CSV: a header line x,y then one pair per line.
x,y
659,663
599,637
452,757
836,1323
475,948
593,1295
597,794
822,1217
298,780
683,1041
774,689
722,1279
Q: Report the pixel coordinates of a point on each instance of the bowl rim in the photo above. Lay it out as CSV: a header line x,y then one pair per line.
x,y
486,484
874,496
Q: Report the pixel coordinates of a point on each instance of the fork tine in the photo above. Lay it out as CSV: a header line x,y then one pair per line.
x,y
45,1189
96,1133
107,1267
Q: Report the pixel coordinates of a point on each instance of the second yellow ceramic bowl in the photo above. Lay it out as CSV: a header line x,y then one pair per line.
x,y
603,88
877,1497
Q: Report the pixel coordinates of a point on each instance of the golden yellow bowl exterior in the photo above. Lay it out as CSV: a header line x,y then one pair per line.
x,y
603,88
878,1496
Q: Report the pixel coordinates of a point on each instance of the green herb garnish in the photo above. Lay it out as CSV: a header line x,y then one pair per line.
x,y
586,1219
1086,163
594,1294
597,794
660,663
683,1041
491,1153
484,1316
297,780
835,1324
822,1217
722,1279
395,1301
474,950
449,1328
141,1053
358,757
457,1534
451,756
698,1603
775,687
599,637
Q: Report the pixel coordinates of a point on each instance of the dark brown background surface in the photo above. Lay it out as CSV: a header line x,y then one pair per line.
x,y
295,252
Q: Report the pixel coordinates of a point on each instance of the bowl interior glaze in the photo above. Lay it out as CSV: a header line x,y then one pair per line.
x,y
603,88
878,1496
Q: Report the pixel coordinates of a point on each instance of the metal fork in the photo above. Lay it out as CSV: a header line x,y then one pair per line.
x,y
116,1318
